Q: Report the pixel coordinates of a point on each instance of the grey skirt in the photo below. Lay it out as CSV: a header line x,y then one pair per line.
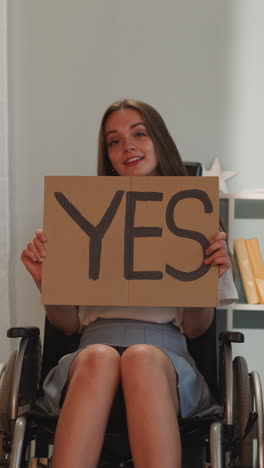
x,y
194,395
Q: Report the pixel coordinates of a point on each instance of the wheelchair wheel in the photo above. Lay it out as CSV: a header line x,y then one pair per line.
x,y
5,394
242,409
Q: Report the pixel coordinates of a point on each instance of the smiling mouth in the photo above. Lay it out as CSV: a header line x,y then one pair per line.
x,y
133,160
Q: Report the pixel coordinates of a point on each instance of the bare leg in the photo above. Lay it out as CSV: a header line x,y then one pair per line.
x,y
150,389
93,380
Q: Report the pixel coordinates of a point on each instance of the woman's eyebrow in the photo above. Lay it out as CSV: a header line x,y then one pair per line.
x,y
136,124
131,126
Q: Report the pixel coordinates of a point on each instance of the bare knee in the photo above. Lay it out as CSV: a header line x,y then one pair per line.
x,y
95,361
147,369
146,362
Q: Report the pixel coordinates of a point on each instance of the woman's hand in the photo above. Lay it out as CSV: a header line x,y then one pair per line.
x,y
218,254
65,318
33,256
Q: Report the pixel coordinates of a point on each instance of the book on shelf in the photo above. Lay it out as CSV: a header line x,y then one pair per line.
x,y
246,271
257,266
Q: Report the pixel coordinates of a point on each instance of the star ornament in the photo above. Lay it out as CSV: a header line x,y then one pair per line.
x,y
215,170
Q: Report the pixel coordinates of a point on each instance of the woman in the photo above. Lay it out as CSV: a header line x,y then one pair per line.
x,y
159,381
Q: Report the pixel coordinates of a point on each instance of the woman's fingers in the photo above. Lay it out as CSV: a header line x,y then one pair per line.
x,y
36,246
40,235
217,242
39,246
218,254
33,255
220,257
219,235
35,249
28,255
33,266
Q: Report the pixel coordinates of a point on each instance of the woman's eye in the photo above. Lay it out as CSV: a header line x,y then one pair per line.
x,y
113,143
140,134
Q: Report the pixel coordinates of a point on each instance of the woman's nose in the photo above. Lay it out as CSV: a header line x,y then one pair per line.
x,y
129,146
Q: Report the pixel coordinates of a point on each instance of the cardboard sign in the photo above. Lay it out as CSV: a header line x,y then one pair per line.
x,y
129,241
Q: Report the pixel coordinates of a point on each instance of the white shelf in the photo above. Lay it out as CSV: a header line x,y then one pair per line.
x,y
243,196
240,306
233,201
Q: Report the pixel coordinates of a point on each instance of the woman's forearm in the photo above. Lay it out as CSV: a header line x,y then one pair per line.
x,y
196,320
65,318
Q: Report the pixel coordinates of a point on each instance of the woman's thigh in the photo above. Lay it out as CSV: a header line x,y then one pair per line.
x,y
94,367
146,367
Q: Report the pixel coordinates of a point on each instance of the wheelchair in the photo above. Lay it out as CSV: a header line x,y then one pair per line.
x,y
27,433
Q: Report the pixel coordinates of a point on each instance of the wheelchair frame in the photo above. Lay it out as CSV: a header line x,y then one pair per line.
x,y
220,440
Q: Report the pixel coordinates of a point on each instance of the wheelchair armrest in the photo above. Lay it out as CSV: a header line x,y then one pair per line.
x,y
22,332
231,337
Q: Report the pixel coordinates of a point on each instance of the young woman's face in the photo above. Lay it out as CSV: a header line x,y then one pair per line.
x,y
130,148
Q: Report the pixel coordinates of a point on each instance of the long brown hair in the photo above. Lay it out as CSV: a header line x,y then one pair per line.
x,y
170,162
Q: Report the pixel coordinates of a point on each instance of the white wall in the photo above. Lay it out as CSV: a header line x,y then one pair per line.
x,y
4,187
243,140
199,63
